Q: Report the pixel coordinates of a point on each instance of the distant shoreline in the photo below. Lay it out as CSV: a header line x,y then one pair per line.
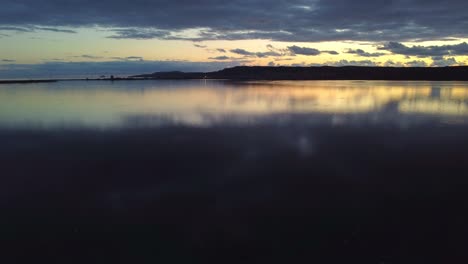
x,y
26,81
458,73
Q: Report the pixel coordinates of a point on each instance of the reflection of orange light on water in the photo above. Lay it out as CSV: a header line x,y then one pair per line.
x,y
434,107
458,93
189,101
322,97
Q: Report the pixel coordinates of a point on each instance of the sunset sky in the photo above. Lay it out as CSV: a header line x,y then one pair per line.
x,y
82,37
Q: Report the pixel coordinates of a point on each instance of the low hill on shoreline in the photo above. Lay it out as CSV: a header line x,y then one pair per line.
x,y
458,73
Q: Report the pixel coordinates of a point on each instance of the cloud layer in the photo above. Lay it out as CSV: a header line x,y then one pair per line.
x,y
290,51
426,51
362,53
294,20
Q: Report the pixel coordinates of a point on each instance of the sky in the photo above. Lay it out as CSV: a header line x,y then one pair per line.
x,y
51,38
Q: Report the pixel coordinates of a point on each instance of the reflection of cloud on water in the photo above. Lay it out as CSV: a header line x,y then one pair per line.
x,y
387,116
195,103
434,107
326,99
325,103
435,92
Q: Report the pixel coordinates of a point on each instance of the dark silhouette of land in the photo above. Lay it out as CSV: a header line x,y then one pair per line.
x,y
459,73
323,73
25,81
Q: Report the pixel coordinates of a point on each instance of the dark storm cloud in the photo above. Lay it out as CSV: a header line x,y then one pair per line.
x,y
363,53
426,51
293,20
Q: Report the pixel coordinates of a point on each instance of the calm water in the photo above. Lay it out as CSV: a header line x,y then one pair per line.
x,y
201,103
228,172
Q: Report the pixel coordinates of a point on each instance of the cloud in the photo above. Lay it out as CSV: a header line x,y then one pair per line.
x,y
293,20
331,52
29,28
277,52
7,60
302,64
220,58
426,51
200,46
14,28
93,57
416,63
130,58
391,63
221,50
304,51
443,62
353,63
86,56
134,58
296,50
242,52
363,53
137,33
284,59
265,54
56,30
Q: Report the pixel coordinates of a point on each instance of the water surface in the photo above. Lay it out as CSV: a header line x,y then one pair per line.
x,y
234,172
202,103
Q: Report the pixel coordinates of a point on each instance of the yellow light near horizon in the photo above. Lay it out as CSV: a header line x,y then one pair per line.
x,y
39,47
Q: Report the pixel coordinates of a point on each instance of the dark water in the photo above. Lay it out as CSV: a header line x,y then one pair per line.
x,y
195,171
